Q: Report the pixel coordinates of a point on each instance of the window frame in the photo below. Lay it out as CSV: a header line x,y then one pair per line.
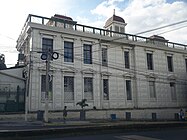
x,y
104,57
68,51
105,89
128,85
88,88
43,87
87,53
150,65
126,59
173,91
170,63
67,80
152,89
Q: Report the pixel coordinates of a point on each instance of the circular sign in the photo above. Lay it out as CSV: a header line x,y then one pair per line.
x,y
44,56
55,55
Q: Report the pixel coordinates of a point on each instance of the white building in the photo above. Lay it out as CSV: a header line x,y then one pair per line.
x,y
132,76
12,89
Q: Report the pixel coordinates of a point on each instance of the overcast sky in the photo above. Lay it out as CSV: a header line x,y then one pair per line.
x,y
140,15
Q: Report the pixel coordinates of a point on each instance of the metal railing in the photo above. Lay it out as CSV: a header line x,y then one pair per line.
x,y
88,29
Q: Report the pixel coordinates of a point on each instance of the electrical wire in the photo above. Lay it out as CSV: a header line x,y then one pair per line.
x,y
158,28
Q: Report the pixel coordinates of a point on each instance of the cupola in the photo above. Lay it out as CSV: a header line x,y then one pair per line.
x,y
115,23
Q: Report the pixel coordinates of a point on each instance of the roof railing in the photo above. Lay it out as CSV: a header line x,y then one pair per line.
x,y
88,29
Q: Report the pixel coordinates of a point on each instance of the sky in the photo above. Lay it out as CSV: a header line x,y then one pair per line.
x,y
140,15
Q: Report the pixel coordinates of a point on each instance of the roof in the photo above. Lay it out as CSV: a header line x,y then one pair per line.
x,y
114,18
63,17
158,38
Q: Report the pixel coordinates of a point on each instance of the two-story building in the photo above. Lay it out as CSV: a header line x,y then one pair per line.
x,y
134,76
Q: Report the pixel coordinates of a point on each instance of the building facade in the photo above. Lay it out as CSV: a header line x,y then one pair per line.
x,y
111,69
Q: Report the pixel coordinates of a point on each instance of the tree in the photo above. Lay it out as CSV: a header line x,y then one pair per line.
x,y
82,104
2,62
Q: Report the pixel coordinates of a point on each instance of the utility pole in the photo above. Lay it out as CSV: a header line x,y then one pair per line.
x,y
48,53
47,57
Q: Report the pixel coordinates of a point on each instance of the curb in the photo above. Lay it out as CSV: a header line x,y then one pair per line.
x,y
88,129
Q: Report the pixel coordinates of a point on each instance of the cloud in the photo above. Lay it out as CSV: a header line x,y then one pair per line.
x,y
142,15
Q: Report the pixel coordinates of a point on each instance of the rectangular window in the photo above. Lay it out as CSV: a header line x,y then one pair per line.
x,y
47,44
149,61
122,30
126,56
43,87
173,91
88,88
105,89
117,28
170,63
128,90
68,51
87,54
152,89
104,57
68,88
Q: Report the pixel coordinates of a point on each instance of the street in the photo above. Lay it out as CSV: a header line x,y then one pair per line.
x,y
162,134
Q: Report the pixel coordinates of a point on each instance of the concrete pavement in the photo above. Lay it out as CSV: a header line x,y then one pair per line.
x,y
21,128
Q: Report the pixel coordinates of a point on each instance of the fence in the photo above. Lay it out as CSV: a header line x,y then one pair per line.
x,y
12,101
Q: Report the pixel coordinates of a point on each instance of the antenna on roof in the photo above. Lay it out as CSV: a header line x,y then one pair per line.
x,y
114,12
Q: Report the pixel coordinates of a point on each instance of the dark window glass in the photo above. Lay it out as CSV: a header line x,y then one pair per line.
x,y
186,64
149,61
47,44
127,63
104,57
128,90
105,89
68,51
87,54
170,63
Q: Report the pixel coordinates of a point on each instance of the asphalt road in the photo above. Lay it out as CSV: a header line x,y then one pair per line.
x,y
162,134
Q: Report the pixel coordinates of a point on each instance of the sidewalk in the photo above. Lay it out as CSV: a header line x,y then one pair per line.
x,y
20,128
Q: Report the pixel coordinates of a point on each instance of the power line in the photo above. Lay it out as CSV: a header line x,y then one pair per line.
x,y
132,70
172,30
176,23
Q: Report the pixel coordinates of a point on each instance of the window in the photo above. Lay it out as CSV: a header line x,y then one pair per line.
x,y
173,91
43,87
88,88
152,89
105,89
68,51
122,30
68,88
128,90
117,28
47,43
87,54
126,56
149,61
104,57
186,64
170,63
